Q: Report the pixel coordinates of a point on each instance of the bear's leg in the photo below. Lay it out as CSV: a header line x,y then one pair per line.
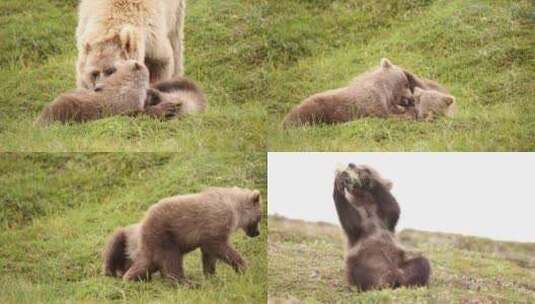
x,y
177,40
140,270
160,62
230,256
170,262
416,272
208,262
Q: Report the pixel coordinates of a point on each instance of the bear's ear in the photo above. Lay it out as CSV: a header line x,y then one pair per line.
x,y
449,100
127,38
413,82
385,63
255,197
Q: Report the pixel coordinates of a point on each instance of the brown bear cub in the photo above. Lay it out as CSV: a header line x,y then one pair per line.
x,y
122,93
126,92
368,214
430,104
376,93
178,225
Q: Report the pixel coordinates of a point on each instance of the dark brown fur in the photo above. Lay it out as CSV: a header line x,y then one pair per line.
x,y
177,225
118,254
368,214
183,93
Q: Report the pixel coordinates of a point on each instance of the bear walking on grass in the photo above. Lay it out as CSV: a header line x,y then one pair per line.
x,y
178,225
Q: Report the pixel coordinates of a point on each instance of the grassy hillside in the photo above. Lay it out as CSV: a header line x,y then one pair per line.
x,y
482,50
306,263
224,48
57,211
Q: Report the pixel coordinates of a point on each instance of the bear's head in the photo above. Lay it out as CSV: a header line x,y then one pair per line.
x,y
250,212
430,104
363,178
128,73
402,86
98,59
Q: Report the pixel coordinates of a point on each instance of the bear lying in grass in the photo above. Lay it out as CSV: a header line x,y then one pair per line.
x,y
178,225
126,92
387,91
368,214
376,93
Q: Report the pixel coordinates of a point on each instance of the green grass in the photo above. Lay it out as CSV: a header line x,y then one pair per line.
x,y
306,265
58,209
258,59
482,50
224,49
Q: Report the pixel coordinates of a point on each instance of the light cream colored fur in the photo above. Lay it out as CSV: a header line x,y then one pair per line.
x,y
145,30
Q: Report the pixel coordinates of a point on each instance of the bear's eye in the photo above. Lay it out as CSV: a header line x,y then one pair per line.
x,y
109,71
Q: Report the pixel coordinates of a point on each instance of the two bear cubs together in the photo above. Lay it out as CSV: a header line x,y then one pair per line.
x,y
178,225
122,46
383,92
368,214
127,92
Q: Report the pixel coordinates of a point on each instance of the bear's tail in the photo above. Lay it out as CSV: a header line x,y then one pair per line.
x,y
114,254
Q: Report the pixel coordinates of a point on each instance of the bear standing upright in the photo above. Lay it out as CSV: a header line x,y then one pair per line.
x,y
149,31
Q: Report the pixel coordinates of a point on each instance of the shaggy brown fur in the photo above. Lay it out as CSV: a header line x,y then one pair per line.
x,y
424,84
376,93
121,250
180,91
367,214
123,93
430,104
177,225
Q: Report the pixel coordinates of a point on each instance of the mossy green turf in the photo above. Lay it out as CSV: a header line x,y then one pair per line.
x,y
306,262
483,50
58,210
223,54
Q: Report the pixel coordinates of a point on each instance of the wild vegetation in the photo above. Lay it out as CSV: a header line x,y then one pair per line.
x,y
59,209
306,265
482,50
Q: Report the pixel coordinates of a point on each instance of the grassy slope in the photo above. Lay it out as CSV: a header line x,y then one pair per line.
x,y
306,264
57,210
223,50
481,49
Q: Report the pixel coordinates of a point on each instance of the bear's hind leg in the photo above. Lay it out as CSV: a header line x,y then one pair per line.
x,y
416,272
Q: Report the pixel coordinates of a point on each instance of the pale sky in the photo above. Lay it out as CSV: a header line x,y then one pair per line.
x,y
480,194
